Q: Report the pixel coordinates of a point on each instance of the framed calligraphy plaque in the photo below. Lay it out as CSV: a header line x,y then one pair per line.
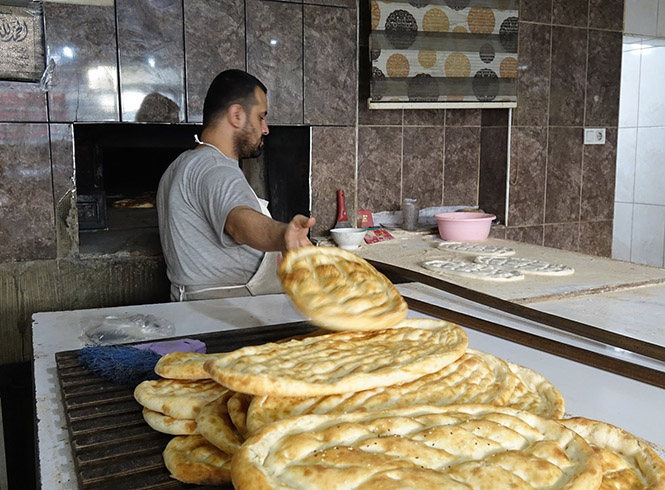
x,y
21,43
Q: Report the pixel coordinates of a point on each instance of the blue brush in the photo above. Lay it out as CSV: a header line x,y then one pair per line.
x,y
120,364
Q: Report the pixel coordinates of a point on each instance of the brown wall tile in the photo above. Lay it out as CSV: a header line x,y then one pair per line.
x,y
211,51
528,170
596,238
564,236
603,79
564,175
533,83
525,234
568,76
379,168
536,11
330,81
333,168
22,102
279,66
462,160
570,13
151,31
463,117
598,179
424,117
422,167
90,33
493,168
606,14
27,225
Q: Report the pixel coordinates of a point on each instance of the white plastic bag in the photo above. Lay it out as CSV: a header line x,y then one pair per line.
x,y
118,330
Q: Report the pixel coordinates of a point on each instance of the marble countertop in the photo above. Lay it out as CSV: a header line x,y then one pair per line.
x,y
588,391
592,274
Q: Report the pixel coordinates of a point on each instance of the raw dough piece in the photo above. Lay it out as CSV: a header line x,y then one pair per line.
x,y
526,266
472,270
477,249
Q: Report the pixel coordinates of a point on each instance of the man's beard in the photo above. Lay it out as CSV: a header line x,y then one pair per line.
x,y
245,145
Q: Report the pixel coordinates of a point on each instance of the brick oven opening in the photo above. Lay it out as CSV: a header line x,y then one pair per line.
x,y
118,167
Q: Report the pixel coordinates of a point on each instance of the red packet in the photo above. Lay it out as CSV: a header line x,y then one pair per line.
x,y
365,219
378,235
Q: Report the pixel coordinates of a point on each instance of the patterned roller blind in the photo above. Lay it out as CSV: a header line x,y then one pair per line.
x,y
444,51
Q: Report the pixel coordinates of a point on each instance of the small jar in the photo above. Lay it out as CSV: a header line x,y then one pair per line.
x,y
410,214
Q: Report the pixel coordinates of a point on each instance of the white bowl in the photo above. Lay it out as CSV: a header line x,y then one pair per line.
x,y
348,238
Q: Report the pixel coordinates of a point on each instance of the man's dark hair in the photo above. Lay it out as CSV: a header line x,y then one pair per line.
x,y
228,88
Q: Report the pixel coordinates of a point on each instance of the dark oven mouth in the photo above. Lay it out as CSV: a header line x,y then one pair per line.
x,y
118,167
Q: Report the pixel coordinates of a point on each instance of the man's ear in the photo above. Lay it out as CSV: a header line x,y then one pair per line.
x,y
236,116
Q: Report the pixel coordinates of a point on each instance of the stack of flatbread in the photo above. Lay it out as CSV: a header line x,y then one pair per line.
x,y
409,406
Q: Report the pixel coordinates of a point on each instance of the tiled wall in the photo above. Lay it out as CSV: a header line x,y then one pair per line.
x,y
561,192
639,213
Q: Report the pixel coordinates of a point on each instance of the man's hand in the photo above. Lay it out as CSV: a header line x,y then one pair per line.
x,y
296,232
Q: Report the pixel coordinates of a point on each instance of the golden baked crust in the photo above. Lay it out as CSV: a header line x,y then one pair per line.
x,y
183,365
169,425
476,377
179,399
627,462
535,393
482,446
215,425
192,459
339,290
238,405
340,362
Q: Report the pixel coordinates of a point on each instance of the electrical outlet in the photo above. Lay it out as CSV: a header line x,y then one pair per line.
x,y
594,136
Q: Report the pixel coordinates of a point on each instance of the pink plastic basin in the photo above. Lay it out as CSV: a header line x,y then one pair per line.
x,y
464,227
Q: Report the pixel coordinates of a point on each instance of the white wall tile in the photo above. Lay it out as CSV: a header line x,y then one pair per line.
x,y
621,234
650,166
660,29
648,237
625,174
641,17
630,82
652,81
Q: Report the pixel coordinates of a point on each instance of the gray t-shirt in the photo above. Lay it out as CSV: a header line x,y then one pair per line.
x,y
195,196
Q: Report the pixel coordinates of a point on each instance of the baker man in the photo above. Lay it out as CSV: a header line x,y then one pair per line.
x,y
217,237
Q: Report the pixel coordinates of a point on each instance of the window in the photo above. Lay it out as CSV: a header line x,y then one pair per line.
x,y
443,53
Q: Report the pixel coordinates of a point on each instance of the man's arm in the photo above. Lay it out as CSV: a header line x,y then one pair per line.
x,y
249,227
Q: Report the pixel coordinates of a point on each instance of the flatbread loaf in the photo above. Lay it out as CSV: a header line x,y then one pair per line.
x,y
341,362
238,406
169,425
177,398
627,462
192,459
535,393
183,365
216,426
339,290
476,377
422,447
